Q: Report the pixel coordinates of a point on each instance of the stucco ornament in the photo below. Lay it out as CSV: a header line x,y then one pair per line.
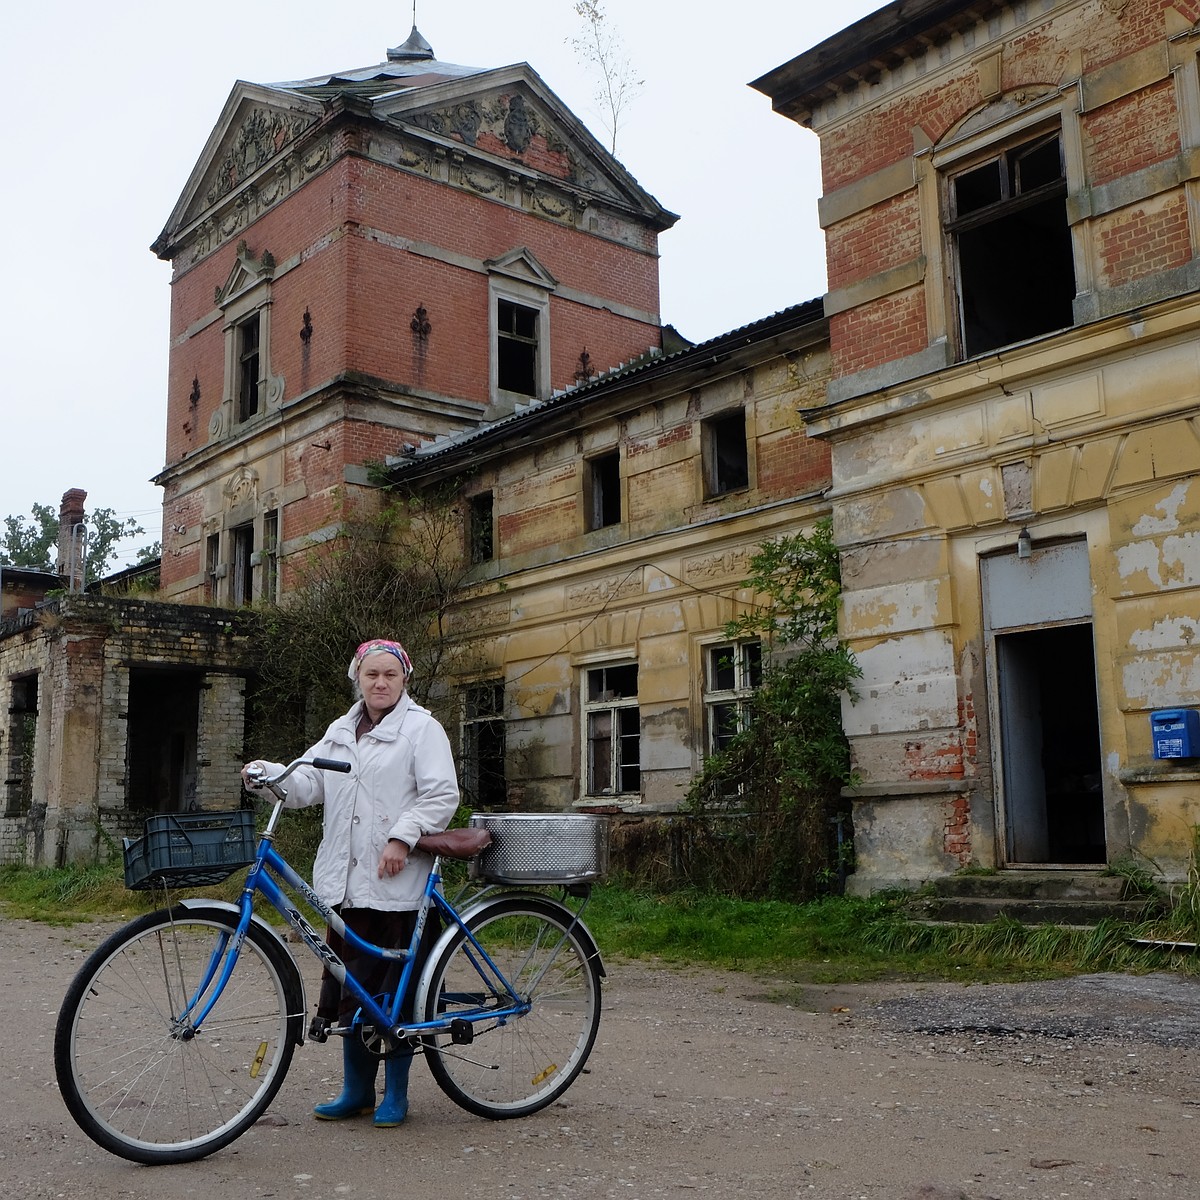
x,y
261,135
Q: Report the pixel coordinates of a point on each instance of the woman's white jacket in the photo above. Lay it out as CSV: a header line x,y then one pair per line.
x,y
401,784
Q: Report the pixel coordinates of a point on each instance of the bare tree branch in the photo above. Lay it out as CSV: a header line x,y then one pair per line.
x,y
599,47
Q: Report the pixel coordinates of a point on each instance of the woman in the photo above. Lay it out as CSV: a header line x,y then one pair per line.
x,y
401,785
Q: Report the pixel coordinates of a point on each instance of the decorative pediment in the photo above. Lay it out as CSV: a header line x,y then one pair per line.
x,y
251,147
499,133
510,116
247,273
521,264
514,127
241,488
259,136
1000,109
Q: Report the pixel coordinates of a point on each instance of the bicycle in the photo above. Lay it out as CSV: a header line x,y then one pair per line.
x,y
179,1030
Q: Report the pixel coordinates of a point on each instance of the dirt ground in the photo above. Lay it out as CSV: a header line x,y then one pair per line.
x,y
700,1085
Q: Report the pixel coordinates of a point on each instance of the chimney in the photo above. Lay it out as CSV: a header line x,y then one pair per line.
x,y
71,538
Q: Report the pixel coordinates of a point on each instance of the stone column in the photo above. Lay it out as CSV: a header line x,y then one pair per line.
x,y
219,741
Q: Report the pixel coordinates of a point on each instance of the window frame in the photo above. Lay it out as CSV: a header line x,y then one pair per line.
x,y
980,142
245,302
268,557
241,571
248,383
525,294
212,568
735,695
621,711
512,343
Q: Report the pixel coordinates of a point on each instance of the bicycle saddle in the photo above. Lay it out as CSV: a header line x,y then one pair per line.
x,y
455,843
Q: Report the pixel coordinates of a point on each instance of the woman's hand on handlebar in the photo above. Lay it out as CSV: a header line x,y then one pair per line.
x,y
254,775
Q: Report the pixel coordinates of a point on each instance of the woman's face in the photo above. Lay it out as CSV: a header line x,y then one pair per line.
x,y
381,678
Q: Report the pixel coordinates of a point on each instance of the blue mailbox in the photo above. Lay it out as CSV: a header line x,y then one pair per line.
x,y
1176,733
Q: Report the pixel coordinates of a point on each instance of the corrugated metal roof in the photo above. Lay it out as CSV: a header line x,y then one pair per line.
x,y
653,360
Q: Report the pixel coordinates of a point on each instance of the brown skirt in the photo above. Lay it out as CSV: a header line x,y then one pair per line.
x,y
378,976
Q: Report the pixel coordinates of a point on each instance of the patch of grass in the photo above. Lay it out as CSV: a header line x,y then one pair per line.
x,y
847,940
828,941
63,896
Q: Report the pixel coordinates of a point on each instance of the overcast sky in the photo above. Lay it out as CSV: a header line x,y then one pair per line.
x,y
110,105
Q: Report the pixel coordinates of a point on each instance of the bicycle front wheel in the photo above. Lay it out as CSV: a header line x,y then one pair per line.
x,y
136,1077
514,1065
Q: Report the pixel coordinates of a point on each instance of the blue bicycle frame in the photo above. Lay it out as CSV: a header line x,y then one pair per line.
x,y
385,1020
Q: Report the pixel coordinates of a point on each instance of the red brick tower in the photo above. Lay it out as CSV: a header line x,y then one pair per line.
x,y
363,261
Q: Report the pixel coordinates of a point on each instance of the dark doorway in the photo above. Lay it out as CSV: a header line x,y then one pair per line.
x,y
164,716
1051,745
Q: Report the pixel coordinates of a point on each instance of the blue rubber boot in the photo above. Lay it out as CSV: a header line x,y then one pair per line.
x,y
358,1088
393,1108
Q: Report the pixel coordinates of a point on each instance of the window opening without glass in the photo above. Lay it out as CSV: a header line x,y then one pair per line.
x,y
480,528
242,585
212,562
516,348
604,490
726,464
248,367
270,555
1012,244
22,735
484,782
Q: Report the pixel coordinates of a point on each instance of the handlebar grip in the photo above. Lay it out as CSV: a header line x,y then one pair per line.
x,y
331,764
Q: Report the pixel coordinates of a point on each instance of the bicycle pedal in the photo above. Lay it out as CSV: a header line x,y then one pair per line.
x,y
318,1029
462,1033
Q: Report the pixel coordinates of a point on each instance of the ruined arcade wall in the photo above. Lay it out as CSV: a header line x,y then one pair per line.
x,y
81,651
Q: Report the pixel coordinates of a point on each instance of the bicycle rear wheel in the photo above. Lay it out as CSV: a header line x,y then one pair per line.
x,y
145,1086
515,1065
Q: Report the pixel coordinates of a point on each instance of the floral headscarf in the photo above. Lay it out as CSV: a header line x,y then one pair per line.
x,y
380,646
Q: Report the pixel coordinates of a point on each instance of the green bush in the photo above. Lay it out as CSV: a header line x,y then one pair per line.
x,y
766,817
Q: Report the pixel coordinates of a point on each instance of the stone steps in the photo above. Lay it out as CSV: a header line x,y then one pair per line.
x,y
1067,897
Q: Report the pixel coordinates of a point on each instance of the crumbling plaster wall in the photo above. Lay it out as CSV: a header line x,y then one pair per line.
x,y
1094,437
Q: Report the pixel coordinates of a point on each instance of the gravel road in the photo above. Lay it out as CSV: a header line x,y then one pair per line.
x,y
701,1084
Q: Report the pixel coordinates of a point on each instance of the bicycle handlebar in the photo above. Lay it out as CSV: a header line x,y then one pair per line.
x,y
258,776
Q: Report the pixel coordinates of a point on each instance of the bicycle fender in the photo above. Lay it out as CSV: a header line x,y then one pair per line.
x,y
283,956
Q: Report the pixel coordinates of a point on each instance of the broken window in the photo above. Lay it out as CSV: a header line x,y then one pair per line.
x,y
241,589
725,457
1012,245
484,783
481,528
270,556
247,343
516,348
604,490
613,730
22,731
212,567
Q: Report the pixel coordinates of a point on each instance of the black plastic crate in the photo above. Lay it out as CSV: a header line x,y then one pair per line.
x,y
190,849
